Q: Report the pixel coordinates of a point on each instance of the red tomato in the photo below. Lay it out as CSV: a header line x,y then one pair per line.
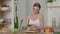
x,y
51,30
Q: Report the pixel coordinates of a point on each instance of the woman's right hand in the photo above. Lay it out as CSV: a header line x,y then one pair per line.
x,y
24,27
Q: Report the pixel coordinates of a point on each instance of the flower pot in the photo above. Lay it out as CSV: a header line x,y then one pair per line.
x,y
4,8
49,1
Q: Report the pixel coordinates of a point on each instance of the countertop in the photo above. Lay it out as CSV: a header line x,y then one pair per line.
x,y
25,32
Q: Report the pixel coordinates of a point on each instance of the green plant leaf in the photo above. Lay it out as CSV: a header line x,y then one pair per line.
x,y
21,22
29,25
49,1
16,23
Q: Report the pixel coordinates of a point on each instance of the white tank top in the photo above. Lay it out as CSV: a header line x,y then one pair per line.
x,y
35,22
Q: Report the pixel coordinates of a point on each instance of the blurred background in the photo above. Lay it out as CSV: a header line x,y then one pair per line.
x,y
14,12
50,9
25,8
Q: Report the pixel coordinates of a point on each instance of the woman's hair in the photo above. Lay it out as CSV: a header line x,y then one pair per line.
x,y
38,5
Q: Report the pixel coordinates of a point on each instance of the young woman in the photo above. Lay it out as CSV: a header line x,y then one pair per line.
x,y
36,20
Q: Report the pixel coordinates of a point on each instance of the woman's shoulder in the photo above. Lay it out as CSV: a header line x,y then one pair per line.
x,y
41,16
28,17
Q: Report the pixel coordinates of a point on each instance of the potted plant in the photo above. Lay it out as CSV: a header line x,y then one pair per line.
x,y
21,24
49,1
4,7
16,19
28,27
15,22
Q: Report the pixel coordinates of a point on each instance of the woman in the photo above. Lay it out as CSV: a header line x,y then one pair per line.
x,y
35,20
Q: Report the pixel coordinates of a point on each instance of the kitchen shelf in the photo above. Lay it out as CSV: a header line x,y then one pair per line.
x,y
7,13
53,7
6,10
52,27
3,23
56,27
3,13
55,4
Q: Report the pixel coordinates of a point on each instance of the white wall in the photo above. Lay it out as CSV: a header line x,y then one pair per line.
x,y
21,8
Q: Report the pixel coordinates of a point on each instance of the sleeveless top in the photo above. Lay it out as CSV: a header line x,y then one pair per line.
x,y
35,22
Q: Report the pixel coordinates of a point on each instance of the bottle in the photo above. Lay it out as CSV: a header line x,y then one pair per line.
x,y
59,22
53,22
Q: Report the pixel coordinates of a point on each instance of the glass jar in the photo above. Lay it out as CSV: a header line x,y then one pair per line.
x,y
53,22
59,22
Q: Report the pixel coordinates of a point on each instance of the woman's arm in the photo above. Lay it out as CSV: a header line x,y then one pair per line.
x,y
25,26
27,21
41,22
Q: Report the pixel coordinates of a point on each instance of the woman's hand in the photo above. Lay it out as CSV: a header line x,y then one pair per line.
x,y
39,27
24,27
33,27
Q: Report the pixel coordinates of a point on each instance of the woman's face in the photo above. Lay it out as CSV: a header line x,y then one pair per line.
x,y
35,9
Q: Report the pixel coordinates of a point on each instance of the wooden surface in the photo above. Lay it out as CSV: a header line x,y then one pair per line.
x,y
1,14
53,7
25,33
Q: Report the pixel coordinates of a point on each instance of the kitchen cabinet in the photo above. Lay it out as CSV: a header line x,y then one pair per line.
x,y
54,12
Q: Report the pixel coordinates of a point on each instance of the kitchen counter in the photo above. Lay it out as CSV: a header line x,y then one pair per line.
x,y
25,32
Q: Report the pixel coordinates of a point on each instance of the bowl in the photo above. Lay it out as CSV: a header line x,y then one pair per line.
x,y
4,8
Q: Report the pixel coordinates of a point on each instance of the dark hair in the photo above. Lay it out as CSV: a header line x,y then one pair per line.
x,y
37,4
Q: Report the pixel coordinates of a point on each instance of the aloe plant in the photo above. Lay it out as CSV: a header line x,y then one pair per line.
x,y
16,19
21,22
28,25
16,23
49,1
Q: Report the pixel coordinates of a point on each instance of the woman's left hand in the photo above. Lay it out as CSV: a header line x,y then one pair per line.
x,y
33,27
